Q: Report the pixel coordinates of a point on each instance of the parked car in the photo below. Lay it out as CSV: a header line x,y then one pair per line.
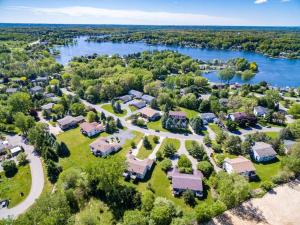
x,y
4,203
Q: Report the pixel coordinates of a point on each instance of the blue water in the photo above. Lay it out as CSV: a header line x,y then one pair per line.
x,y
277,72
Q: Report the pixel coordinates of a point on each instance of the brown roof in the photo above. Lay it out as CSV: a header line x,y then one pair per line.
x,y
148,112
263,149
138,166
88,127
239,115
240,164
177,113
102,145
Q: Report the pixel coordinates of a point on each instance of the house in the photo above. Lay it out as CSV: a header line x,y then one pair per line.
x,y
138,104
150,114
263,152
11,90
49,95
239,165
148,98
69,122
260,111
102,147
47,107
137,169
179,119
36,90
208,118
237,116
288,144
182,182
16,150
54,99
223,102
91,129
125,98
135,94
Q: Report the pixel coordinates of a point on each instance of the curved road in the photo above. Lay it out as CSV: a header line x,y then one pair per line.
x,y
37,181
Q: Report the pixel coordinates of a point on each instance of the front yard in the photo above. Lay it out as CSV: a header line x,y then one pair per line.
x,y
143,152
108,107
17,188
156,125
172,141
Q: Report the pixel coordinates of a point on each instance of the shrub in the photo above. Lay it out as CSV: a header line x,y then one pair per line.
x,y
266,185
155,139
217,147
189,197
282,177
166,165
169,150
184,164
205,167
147,143
207,140
10,168
159,156
22,159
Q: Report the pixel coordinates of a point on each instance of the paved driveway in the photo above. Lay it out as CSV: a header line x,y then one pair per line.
x,y
37,182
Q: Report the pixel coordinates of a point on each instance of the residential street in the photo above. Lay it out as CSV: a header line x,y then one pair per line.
x,y
37,182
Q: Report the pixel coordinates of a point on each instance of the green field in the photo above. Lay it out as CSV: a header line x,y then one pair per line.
x,y
173,141
189,112
143,152
272,135
17,188
156,125
109,108
265,171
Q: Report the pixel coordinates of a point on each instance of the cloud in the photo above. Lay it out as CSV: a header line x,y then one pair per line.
x,y
102,15
260,1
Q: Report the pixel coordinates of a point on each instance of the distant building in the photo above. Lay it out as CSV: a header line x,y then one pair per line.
x,y
149,114
179,115
36,90
16,150
208,118
125,98
239,165
135,94
288,144
69,122
47,107
137,169
91,129
148,98
178,120
102,147
263,152
11,90
238,116
138,104
260,111
182,182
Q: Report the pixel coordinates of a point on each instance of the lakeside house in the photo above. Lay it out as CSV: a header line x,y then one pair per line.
x,y
69,121
136,168
148,98
182,182
260,111
239,165
263,152
149,114
47,107
138,104
103,147
125,98
91,129
135,94
208,118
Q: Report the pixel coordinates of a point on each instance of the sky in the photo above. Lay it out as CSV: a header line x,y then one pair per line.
x,y
153,12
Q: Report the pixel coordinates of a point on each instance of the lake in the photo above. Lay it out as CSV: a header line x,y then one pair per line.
x,y
277,72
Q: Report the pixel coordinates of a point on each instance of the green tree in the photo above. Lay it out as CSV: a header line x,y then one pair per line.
x,y
146,143
295,110
23,122
207,140
169,150
20,102
22,159
189,197
197,124
166,164
197,151
184,164
134,217
91,116
10,168
77,109
147,199
226,75
205,167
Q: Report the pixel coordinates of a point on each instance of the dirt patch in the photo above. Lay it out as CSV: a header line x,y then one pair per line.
x,y
278,207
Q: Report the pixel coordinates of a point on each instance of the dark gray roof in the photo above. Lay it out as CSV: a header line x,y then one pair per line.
x,y
137,94
148,98
187,181
207,116
261,110
11,90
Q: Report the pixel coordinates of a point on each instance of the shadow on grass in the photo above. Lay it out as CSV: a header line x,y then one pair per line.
x,y
275,160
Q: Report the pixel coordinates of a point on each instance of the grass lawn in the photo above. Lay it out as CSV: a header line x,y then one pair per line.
x,y
215,128
11,188
109,108
156,125
189,112
132,108
272,135
173,141
143,152
127,146
265,171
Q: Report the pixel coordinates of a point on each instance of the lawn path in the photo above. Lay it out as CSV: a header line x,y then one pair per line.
x,y
155,150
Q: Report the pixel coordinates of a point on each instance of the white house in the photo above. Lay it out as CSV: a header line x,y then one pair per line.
x,y
260,111
239,165
91,129
102,147
263,152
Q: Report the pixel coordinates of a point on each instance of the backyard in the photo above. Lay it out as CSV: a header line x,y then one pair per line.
x,y
17,188
156,125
